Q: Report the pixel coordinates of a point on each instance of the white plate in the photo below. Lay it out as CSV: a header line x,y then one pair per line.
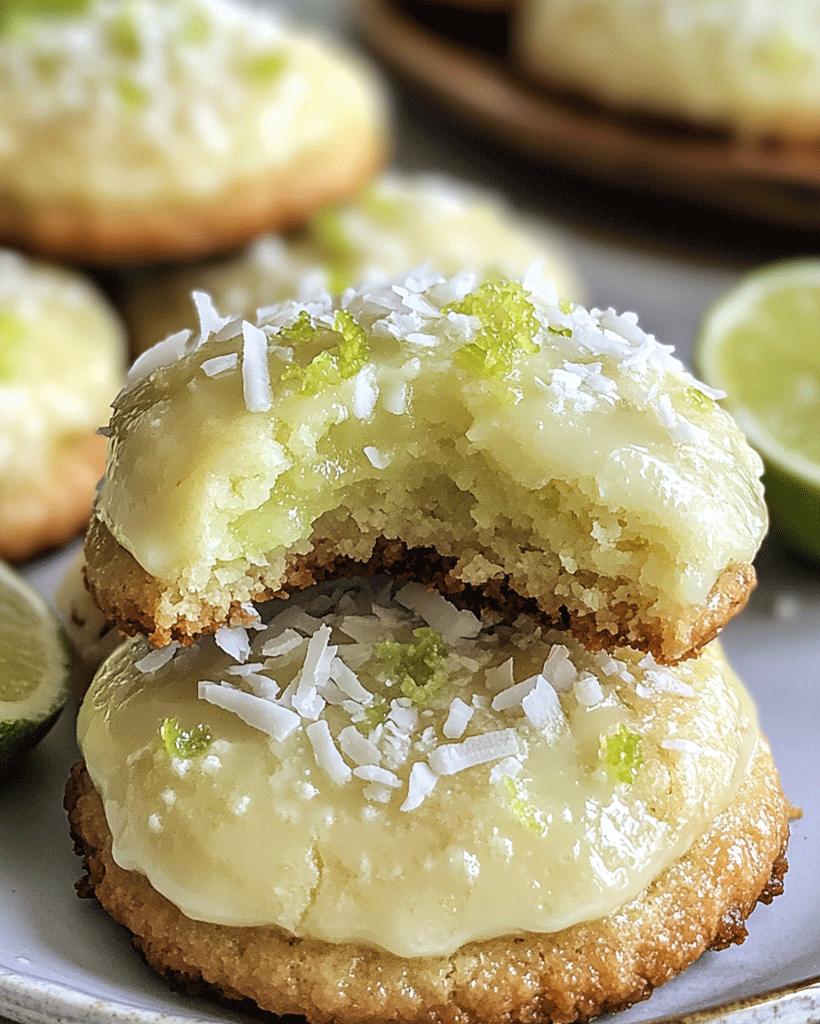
x,y
63,959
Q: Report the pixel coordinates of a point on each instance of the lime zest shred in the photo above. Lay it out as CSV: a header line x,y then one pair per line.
x,y
338,251
266,67
354,350
184,743
124,37
522,808
384,210
508,327
12,335
375,713
330,366
197,29
302,329
698,400
131,94
417,667
12,12
621,753
566,306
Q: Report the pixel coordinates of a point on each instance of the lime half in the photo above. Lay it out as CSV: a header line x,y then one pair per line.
x,y
35,667
760,344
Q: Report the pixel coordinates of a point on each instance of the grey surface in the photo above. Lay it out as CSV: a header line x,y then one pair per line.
x,y
65,960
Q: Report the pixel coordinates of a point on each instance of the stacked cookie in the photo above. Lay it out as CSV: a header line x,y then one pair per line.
x,y
495,535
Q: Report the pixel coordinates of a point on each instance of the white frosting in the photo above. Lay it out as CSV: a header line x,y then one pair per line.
x,y
331,797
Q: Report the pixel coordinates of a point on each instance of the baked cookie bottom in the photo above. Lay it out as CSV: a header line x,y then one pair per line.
x,y
49,510
701,902
185,230
132,599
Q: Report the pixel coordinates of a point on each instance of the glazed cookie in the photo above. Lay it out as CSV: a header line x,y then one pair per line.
x,y
483,437
343,791
394,225
154,129
749,67
62,361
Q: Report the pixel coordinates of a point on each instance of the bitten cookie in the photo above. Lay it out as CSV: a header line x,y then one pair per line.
x,y
159,129
62,361
397,223
747,67
486,438
320,813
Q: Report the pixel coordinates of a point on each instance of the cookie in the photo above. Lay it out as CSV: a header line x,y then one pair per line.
x,y
62,361
160,129
486,438
395,224
343,791
746,67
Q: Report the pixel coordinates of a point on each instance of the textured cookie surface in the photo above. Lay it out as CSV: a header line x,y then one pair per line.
x,y
397,223
174,128
496,441
701,902
62,356
740,65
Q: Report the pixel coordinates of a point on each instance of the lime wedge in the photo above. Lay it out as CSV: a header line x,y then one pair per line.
x,y
35,667
760,344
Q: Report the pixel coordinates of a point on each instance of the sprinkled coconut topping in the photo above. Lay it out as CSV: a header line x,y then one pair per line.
x,y
595,359
371,673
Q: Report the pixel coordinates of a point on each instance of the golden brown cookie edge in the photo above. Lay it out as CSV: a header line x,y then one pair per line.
x,y
217,223
701,902
130,597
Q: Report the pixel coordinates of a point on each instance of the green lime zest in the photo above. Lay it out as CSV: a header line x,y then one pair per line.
x,y
124,37
417,667
12,12
184,743
522,808
12,334
382,209
508,327
266,67
566,306
698,400
354,350
375,713
337,249
131,94
301,330
621,753
197,29
331,366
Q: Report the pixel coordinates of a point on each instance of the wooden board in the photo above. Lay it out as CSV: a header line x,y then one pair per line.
x,y
482,88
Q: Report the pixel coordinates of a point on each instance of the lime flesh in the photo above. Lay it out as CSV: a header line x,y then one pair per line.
x,y
760,344
35,667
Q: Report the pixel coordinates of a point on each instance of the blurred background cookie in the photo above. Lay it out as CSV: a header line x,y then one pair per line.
x,y
137,129
750,67
62,355
392,226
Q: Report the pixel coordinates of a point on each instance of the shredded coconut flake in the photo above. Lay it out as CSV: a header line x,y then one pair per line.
x,y
327,756
154,660
451,758
264,715
255,375
458,718
420,784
